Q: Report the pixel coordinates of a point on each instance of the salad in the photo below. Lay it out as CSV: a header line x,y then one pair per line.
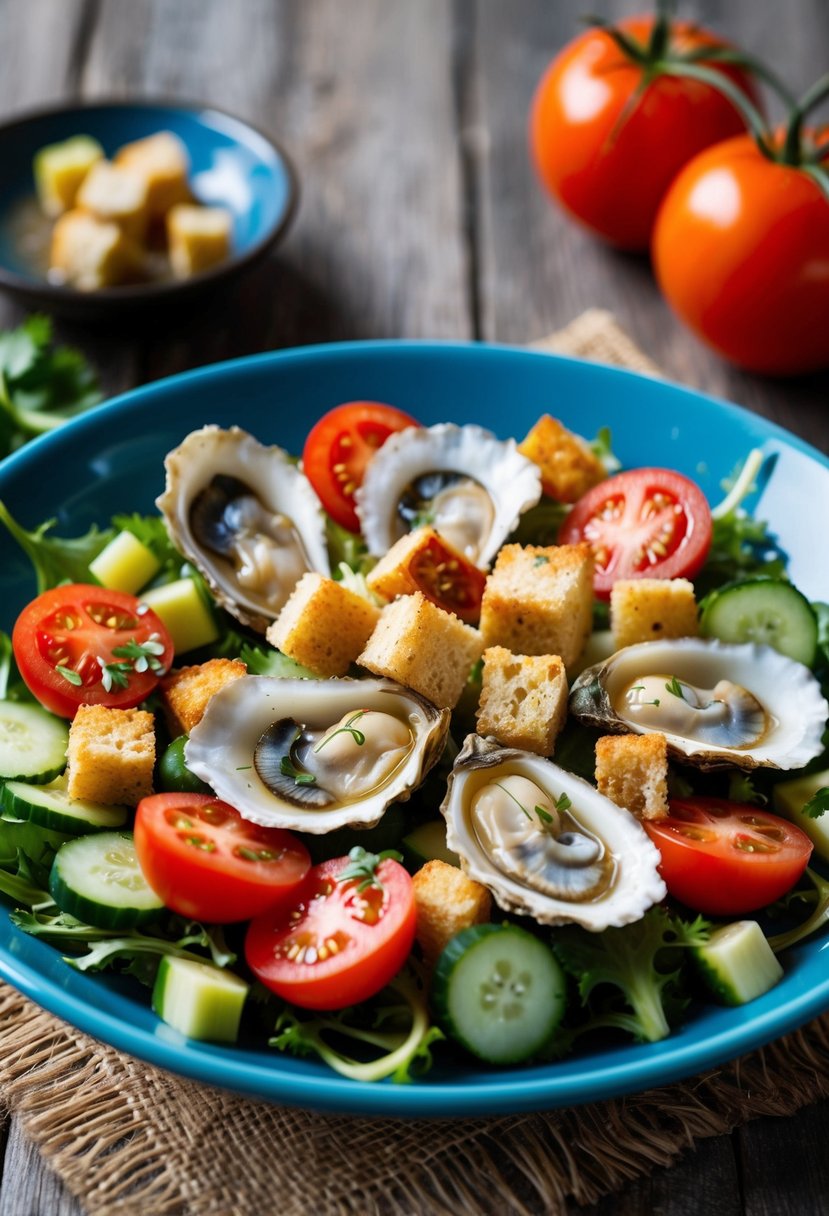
x,y
199,840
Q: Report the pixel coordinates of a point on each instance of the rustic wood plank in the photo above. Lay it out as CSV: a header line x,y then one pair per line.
x,y
784,1166
29,1187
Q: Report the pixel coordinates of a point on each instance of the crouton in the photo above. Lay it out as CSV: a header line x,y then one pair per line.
x,y
568,466
423,647
393,575
89,253
60,169
197,238
645,609
632,771
523,699
539,600
185,693
323,625
161,160
446,902
113,193
111,755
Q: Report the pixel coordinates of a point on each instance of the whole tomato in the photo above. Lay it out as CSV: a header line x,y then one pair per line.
x,y
741,251
611,127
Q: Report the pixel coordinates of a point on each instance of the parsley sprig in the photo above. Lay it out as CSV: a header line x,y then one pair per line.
x,y
131,658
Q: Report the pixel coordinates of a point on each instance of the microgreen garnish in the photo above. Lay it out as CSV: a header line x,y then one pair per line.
x,y
359,737
362,867
68,674
132,657
562,803
542,560
818,804
641,688
287,769
423,519
243,768
543,815
675,688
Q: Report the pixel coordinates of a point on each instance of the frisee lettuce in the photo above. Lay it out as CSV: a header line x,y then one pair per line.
x,y
57,559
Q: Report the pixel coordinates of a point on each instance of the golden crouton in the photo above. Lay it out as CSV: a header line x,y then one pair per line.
x,y
111,755
539,600
646,609
523,699
186,692
632,771
323,625
423,647
423,547
446,902
113,193
197,238
568,466
161,160
89,253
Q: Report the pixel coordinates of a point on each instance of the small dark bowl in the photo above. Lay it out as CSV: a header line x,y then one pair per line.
x,y
232,165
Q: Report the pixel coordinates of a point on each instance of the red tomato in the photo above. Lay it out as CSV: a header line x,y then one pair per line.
x,y
79,645
448,579
609,158
208,863
725,858
644,523
741,251
339,447
338,945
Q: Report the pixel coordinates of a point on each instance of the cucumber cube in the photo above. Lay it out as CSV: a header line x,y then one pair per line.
x,y
737,963
125,564
60,169
182,609
790,797
198,999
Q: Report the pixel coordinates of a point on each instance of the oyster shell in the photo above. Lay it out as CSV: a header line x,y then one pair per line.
x,y
246,516
315,755
717,704
471,486
545,842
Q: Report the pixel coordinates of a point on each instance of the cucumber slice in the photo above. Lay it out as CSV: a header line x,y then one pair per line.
x,y
499,992
198,999
98,880
737,963
790,797
766,610
33,743
427,843
49,806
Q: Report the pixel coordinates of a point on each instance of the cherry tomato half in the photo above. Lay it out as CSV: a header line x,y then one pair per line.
x,y
725,858
338,945
208,863
644,523
448,579
339,447
84,645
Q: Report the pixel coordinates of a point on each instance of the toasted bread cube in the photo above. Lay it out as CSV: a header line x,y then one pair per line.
x,y
197,237
423,647
162,162
539,600
186,692
632,771
60,169
111,755
89,253
113,193
446,902
392,576
323,625
646,609
568,466
523,699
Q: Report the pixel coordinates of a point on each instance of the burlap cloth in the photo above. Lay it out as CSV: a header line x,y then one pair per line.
x,y
126,1138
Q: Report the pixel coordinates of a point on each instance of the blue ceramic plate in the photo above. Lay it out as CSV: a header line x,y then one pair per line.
x,y
232,166
111,461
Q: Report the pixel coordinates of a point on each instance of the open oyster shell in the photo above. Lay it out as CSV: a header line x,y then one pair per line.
x,y
588,863
246,517
315,755
470,486
717,704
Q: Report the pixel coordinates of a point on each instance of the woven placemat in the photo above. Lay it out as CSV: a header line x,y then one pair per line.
x,y
130,1140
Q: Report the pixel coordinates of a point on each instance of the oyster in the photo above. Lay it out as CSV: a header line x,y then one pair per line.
x,y
545,842
315,755
717,704
470,486
246,516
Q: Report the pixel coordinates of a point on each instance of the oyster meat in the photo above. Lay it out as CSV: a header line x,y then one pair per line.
x,y
246,517
471,487
315,755
717,704
545,842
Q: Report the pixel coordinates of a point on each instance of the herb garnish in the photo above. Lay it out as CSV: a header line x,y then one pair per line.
x,y
542,560
68,674
363,865
287,769
818,804
132,657
675,688
349,728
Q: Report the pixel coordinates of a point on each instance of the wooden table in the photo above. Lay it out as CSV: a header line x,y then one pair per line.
x,y
420,217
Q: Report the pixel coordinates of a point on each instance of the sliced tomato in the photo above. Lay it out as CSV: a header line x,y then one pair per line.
x,y
448,579
338,944
644,523
208,863
339,447
85,645
726,858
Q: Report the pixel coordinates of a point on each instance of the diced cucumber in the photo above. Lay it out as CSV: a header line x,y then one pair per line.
x,y
125,564
737,963
49,806
59,170
499,992
198,999
790,797
427,843
183,610
33,743
766,610
98,880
